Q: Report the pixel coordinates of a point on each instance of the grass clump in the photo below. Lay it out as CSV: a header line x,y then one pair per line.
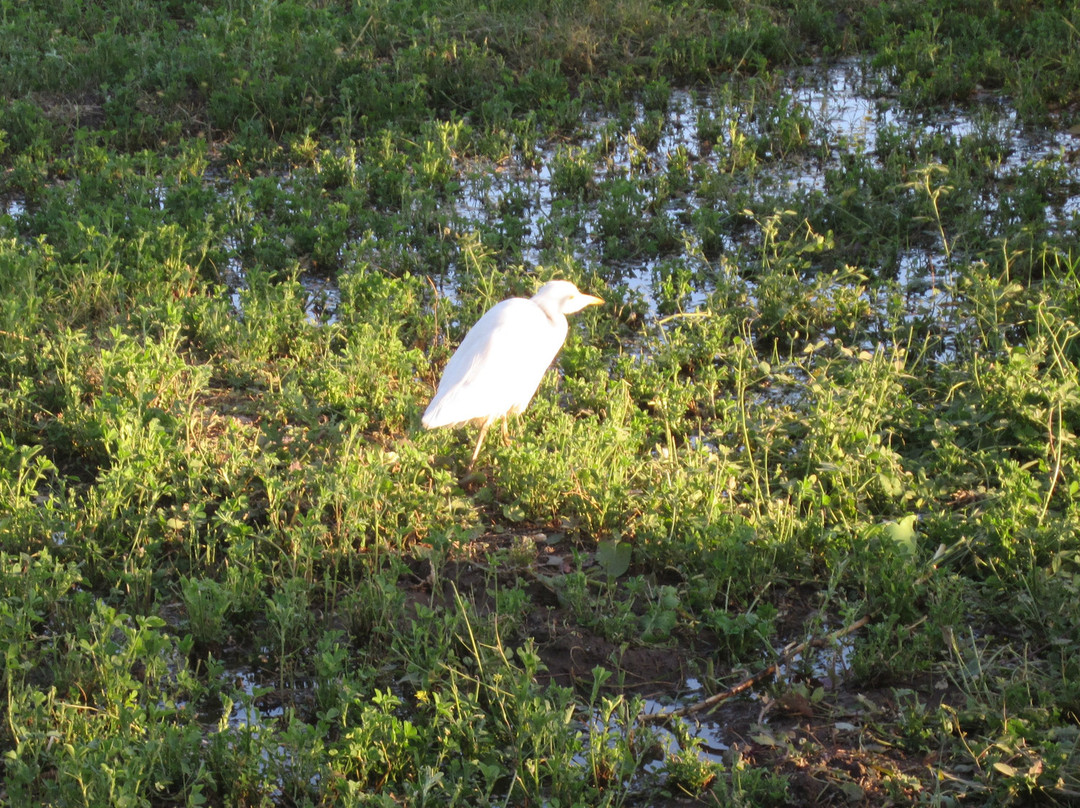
x,y
834,385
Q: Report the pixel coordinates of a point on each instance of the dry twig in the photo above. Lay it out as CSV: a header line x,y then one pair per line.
x,y
785,657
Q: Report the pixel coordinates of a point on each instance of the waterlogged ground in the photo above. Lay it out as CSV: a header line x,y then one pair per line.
x,y
795,519
841,112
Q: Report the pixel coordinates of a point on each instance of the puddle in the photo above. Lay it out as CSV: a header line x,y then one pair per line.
x,y
232,275
655,744
848,113
321,299
241,682
702,728
844,102
840,100
321,294
245,712
256,704
827,665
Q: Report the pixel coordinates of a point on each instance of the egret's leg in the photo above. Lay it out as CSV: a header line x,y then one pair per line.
x,y
479,443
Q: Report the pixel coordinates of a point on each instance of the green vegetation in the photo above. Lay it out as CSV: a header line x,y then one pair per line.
x,y
238,241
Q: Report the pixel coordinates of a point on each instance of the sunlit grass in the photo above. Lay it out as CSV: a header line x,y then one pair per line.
x,y
233,568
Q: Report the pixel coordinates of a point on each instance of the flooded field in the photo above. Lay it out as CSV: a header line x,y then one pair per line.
x,y
573,199
794,517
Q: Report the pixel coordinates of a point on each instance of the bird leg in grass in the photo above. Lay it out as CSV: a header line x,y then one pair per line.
x,y
479,442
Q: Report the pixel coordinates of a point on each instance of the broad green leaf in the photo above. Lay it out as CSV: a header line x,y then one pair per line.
x,y
613,557
903,534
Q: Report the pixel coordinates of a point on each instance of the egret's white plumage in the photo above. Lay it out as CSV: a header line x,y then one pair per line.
x,y
498,366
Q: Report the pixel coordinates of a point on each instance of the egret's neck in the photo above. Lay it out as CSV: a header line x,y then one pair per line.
x,y
555,317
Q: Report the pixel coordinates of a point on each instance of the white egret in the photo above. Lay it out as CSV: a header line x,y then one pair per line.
x,y
498,366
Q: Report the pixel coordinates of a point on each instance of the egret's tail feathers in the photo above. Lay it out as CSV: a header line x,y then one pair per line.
x,y
440,412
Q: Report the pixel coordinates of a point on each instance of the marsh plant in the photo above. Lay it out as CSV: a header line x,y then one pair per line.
x,y
834,384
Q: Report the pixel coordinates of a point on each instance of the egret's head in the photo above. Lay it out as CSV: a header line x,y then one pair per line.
x,y
563,297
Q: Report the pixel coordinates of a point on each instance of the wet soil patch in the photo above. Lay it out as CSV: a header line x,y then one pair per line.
x,y
841,746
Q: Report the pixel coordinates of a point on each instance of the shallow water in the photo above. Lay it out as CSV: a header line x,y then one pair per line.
x,y
702,728
848,111
244,713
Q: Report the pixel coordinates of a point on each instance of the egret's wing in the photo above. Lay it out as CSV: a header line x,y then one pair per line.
x,y
498,365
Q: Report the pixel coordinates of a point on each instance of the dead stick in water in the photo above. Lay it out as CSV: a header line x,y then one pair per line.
x,y
785,657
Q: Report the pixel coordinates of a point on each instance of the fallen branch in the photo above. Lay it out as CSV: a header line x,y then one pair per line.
x,y
785,657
